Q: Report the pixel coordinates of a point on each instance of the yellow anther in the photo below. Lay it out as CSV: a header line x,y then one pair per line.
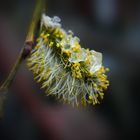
x,y
95,85
107,69
67,52
38,46
38,40
46,40
101,94
77,47
96,95
76,72
42,34
88,61
57,44
48,35
57,35
51,43
61,36
76,64
88,52
45,36
90,97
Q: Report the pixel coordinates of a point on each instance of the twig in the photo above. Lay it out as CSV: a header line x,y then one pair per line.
x,y
27,45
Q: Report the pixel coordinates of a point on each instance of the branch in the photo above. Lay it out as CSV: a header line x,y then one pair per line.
x,y
27,47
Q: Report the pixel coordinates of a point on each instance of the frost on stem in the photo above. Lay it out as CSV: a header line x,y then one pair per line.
x,y
66,70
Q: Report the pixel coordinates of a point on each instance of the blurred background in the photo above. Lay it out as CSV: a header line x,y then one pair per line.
x,y
108,26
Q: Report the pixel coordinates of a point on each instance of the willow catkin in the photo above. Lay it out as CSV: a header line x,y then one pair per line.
x,y
66,70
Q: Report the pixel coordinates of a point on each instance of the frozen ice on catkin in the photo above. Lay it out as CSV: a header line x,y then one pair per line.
x,y
73,74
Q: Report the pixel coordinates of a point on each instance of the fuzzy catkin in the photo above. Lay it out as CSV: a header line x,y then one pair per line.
x,y
73,74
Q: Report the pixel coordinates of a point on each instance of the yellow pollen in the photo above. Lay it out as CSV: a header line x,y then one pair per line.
x,y
90,97
77,47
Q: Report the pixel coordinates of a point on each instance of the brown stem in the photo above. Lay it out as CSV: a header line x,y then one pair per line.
x,y
4,87
35,18
27,45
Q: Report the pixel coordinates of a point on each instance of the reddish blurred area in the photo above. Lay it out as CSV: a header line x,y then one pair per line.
x,y
109,26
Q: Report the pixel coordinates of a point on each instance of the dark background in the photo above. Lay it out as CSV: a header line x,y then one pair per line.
x,y
108,26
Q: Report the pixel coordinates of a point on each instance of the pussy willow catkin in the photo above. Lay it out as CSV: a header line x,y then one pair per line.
x,y
66,70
